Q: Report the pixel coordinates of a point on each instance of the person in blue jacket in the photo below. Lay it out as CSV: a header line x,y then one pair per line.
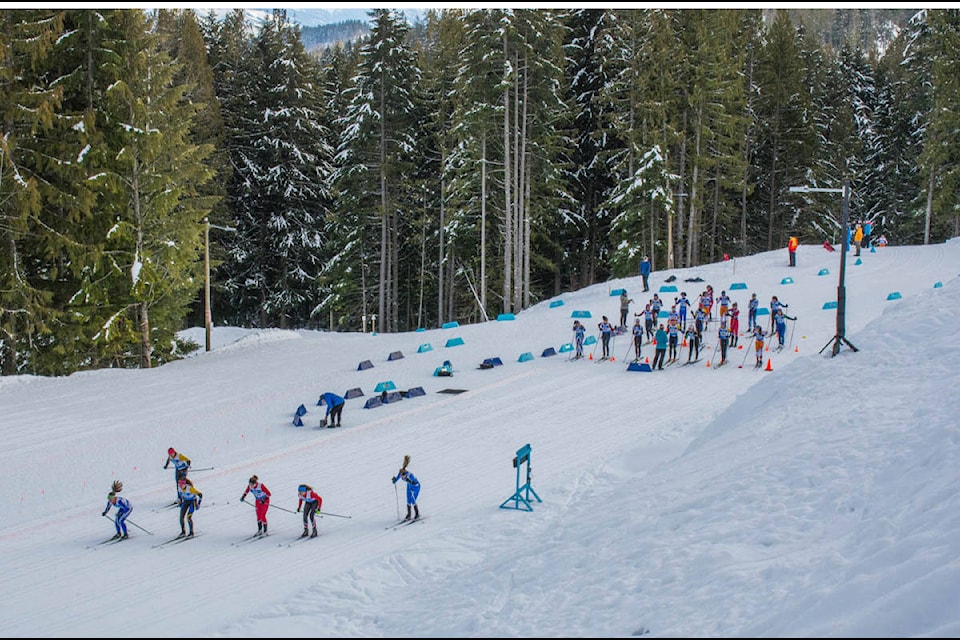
x,y
661,350
645,272
334,409
413,488
123,510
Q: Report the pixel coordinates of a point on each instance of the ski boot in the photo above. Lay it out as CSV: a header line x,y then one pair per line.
x,y
408,513
305,533
125,536
259,528
116,537
314,534
416,512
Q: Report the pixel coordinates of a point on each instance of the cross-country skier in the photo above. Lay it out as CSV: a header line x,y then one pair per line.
x,y
606,330
758,339
181,464
625,301
413,486
724,335
693,342
734,314
262,503
190,498
682,303
752,307
579,331
648,322
637,337
781,325
313,501
123,510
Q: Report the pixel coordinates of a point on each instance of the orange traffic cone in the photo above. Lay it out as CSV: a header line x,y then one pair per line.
x,y
646,360
708,364
684,343
613,358
591,355
796,349
769,365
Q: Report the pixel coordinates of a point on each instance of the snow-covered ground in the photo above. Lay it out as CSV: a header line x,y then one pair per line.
x,y
817,499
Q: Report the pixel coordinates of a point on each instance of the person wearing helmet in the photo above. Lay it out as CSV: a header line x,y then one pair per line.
x,y
123,510
262,495
180,465
190,498
313,501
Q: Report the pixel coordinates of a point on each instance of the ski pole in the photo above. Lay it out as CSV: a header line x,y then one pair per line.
x,y
337,515
791,332
594,348
202,469
713,356
746,352
139,527
397,494
274,506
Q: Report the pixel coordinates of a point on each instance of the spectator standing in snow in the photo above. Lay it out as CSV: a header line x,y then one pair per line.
x,y
624,308
661,349
752,307
645,272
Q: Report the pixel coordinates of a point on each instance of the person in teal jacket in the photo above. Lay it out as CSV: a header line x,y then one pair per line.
x,y
661,352
334,409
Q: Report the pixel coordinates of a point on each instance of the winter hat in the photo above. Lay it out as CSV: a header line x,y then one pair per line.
x,y
111,495
171,451
302,488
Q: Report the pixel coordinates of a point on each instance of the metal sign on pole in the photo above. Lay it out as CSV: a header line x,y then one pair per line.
x,y
521,497
840,338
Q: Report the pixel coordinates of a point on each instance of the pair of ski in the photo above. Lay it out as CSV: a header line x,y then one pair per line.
x,y
107,542
179,539
406,523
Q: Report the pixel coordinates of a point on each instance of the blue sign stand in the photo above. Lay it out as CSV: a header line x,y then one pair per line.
x,y
521,498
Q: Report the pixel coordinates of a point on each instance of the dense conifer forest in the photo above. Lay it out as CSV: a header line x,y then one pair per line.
x,y
472,163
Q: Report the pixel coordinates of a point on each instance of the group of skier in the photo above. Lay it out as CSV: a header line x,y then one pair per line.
x,y
688,320
189,499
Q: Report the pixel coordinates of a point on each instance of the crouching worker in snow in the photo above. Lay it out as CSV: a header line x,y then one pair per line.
x,y
334,409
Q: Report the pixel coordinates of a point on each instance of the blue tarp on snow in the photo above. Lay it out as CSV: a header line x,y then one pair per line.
x,y
830,305
524,357
639,366
580,314
426,346
301,410
556,303
363,366
396,355
505,316
454,342
495,361
894,296
616,292
590,340
738,285
372,402
386,385
393,396
549,351
450,325
415,392
668,288
787,280
566,346
823,272
356,392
